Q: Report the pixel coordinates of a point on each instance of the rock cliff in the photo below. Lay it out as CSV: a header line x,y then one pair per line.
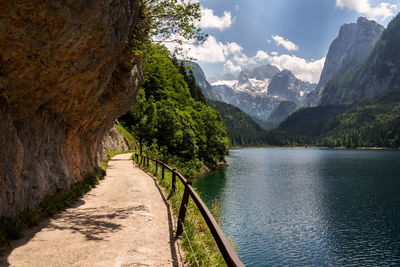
x,y
375,78
352,46
113,140
66,74
287,87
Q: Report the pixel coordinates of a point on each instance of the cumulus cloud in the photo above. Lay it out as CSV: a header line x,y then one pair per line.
x,y
210,51
213,51
210,21
288,45
305,70
231,67
380,12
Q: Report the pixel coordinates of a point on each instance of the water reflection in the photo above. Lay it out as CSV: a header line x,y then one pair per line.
x,y
304,207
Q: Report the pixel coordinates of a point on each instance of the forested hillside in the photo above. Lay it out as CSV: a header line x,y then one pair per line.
x,y
168,118
242,129
374,124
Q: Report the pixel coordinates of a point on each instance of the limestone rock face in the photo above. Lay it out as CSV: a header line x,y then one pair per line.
x,y
377,77
113,140
286,86
352,46
66,74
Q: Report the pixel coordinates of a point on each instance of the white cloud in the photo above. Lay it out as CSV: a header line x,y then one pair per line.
x,y
210,21
231,67
305,70
288,45
210,51
232,48
380,12
236,7
213,51
233,58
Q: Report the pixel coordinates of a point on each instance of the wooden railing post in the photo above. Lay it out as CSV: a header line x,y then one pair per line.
x,y
182,211
162,171
148,162
156,167
173,181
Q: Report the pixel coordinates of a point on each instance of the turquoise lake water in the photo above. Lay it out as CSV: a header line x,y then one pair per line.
x,y
309,207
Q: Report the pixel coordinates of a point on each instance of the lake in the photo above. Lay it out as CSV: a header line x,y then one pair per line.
x,y
309,207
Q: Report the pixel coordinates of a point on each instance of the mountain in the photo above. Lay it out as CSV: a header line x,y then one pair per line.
x,y
259,91
279,114
258,106
224,77
201,80
242,129
261,73
360,107
286,86
352,46
378,76
376,124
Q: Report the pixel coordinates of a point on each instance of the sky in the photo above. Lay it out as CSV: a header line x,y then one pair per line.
x,y
290,34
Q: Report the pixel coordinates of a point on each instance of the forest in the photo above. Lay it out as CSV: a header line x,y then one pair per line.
x,y
373,124
170,119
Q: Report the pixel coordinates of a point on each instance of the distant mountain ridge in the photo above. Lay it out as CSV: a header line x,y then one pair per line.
x,y
259,91
359,105
352,46
375,78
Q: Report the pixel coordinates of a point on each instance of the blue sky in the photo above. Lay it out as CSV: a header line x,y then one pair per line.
x,y
293,34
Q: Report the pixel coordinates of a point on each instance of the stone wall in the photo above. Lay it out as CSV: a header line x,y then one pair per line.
x,y
66,74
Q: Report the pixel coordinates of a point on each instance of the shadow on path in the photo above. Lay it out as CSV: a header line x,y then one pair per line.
x,y
94,223
172,239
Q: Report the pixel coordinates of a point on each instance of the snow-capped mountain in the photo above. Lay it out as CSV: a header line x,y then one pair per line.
x,y
258,92
252,86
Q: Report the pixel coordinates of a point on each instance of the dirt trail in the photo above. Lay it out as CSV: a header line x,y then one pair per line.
x,y
122,222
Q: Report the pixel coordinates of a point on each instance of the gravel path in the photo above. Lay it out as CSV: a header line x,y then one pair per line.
x,y
124,221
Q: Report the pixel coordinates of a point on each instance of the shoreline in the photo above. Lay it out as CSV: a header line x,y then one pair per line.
x,y
319,147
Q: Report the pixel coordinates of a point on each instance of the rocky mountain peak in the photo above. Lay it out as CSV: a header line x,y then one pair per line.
x,y
377,77
259,73
352,46
244,76
264,72
286,86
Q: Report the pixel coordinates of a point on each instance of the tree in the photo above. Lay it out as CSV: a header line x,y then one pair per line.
x,y
143,119
167,21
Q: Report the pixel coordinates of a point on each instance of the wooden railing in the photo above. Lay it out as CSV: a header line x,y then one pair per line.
x,y
222,242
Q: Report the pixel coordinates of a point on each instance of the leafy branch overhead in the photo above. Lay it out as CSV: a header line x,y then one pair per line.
x,y
168,21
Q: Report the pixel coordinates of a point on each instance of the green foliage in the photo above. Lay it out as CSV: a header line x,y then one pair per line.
x,y
374,124
132,143
166,20
242,129
167,117
279,114
190,80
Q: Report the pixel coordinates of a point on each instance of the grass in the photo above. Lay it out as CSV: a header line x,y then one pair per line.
x,y
56,202
197,240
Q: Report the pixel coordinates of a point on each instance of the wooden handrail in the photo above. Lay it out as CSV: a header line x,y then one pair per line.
x,y
230,257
